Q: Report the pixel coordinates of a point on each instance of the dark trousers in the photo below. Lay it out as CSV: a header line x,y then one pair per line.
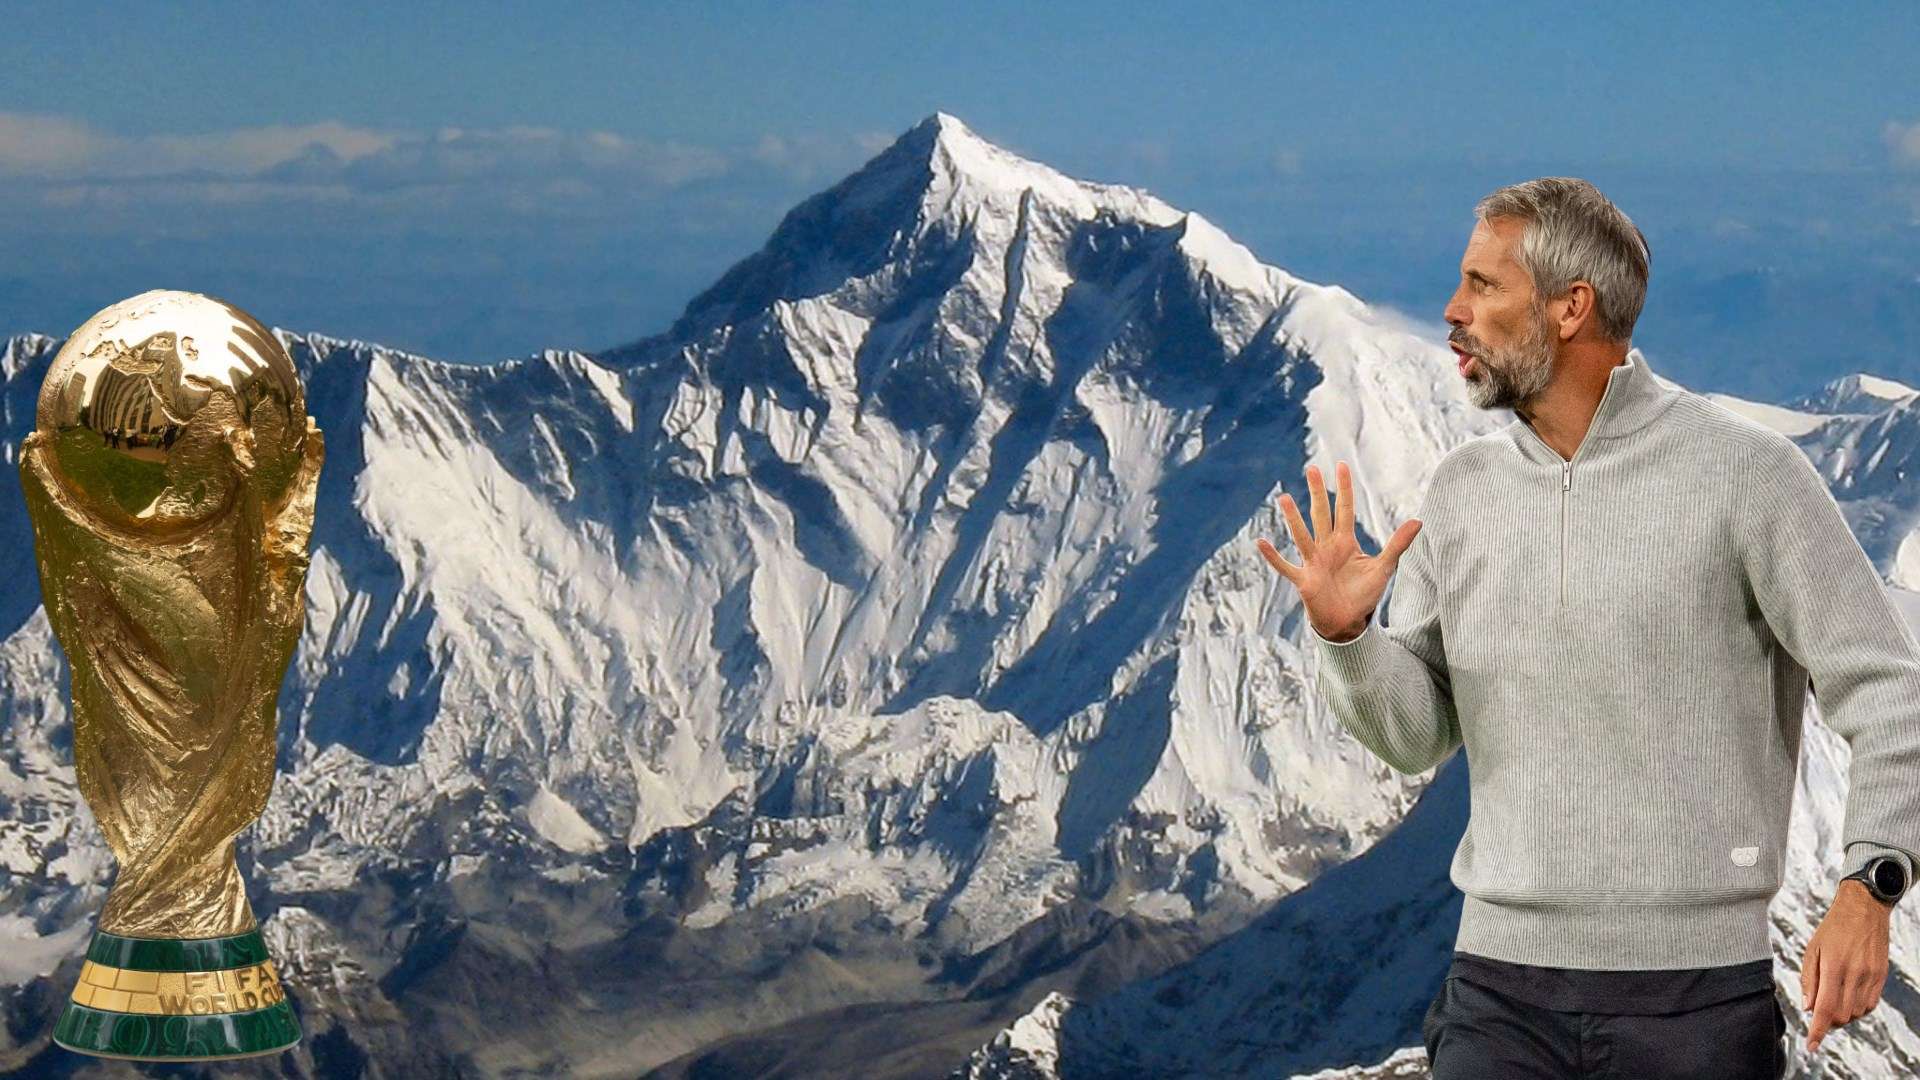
x,y
1474,1033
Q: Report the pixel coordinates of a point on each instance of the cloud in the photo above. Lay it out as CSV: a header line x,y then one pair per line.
x,y
72,162
805,157
51,147
43,145
1903,141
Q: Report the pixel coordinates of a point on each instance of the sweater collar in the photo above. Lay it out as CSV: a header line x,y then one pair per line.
x,y
1633,397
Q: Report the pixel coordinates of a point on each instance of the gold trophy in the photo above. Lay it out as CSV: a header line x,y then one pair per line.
x,y
170,479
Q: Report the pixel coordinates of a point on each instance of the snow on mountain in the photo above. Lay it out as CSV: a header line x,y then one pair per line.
x,y
1857,393
1785,419
1029,1049
1038,423
899,597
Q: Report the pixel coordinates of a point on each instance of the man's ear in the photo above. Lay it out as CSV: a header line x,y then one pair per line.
x,y
1575,309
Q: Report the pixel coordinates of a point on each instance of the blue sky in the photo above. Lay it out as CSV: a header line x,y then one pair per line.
x,y
478,181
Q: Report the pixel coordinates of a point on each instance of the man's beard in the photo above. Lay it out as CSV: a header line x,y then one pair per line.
x,y
1510,376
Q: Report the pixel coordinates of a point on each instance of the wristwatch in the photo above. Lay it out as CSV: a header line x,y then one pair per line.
x,y
1885,878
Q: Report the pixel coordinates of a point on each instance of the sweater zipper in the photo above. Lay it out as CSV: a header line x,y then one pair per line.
x,y
1566,476
1566,486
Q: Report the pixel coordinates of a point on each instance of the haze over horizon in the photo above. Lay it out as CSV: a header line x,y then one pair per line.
x,y
478,189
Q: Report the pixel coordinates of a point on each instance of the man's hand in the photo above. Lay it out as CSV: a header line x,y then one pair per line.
x,y
1845,965
1339,584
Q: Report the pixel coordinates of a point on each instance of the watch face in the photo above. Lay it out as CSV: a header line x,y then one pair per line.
x,y
1888,878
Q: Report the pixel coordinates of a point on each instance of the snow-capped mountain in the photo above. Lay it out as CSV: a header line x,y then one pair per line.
x,y
877,651
1857,393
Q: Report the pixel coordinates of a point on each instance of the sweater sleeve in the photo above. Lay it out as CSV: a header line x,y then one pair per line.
x,y
1827,605
1389,686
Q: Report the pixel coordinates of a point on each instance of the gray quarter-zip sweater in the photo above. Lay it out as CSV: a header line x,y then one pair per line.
x,y
1623,643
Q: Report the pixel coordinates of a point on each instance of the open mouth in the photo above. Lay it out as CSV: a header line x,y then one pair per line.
x,y
1466,358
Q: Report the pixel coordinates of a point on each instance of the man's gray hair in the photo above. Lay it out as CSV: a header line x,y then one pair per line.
x,y
1573,234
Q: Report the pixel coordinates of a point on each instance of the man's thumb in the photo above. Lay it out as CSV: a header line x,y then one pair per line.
x,y
1401,539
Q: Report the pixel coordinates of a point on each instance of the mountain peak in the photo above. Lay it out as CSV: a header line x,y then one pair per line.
x,y
1859,392
939,178
947,146
958,158
941,125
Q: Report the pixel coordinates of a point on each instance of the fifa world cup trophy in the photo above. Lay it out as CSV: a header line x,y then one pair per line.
x,y
170,479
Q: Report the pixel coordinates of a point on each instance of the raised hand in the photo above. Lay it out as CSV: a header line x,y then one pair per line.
x,y
1339,584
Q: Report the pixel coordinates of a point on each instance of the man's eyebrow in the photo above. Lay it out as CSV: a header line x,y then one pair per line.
x,y
1480,276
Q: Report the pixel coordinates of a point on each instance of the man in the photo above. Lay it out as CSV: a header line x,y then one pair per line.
x,y
1615,603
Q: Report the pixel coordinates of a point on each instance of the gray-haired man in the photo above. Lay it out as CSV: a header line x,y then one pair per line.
x,y
1615,603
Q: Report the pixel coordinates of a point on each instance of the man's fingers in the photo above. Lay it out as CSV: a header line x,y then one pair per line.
x,y
1317,490
1398,543
1809,973
1296,526
1274,559
1343,503
1826,1002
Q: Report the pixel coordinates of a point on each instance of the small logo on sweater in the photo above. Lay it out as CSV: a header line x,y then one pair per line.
x,y
1745,856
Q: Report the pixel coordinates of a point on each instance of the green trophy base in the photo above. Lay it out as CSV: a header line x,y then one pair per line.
x,y
177,999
